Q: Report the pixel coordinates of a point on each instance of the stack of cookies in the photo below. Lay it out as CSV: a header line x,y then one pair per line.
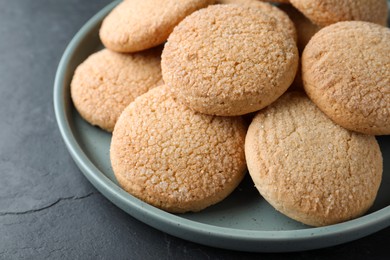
x,y
179,80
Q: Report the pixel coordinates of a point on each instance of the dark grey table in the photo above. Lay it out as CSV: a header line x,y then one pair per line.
x,y
47,208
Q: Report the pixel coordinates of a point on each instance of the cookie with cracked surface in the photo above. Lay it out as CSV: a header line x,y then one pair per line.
x,y
284,24
309,168
141,24
326,12
345,71
228,60
174,158
106,82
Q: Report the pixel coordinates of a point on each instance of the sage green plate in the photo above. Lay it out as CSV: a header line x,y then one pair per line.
x,y
244,221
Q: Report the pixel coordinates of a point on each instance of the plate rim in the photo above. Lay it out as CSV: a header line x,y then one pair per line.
x,y
207,234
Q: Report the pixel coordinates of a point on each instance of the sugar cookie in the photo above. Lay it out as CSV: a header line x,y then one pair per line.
x,y
106,82
346,72
228,60
309,168
326,12
141,24
174,158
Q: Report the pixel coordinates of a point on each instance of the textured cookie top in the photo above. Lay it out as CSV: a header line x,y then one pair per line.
x,y
284,22
136,25
228,60
106,82
346,72
326,12
174,158
309,168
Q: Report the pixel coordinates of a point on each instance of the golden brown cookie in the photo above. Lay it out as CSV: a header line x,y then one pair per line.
x,y
284,24
304,27
309,168
141,24
346,72
106,82
326,12
174,158
228,60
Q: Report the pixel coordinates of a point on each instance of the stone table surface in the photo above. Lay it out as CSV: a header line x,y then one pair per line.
x,y
48,209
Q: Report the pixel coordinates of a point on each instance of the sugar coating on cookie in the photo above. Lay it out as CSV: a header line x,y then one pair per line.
x,y
284,21
228,60
326,12
346,72
106,82
136,25
174,158
309,168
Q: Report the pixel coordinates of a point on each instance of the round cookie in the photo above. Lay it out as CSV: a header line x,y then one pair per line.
x,y
345,71
174,158
141,24
309,168
106,82
304,27
228,60
284,22
326,12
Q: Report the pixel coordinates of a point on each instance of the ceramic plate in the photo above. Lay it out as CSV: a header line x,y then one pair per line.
x,y
244,221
